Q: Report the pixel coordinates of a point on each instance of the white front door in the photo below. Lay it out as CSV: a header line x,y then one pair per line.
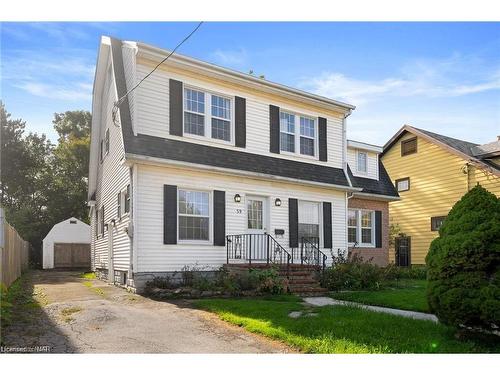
x,y
257,224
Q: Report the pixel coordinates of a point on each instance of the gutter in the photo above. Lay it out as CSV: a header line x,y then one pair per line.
x,y
152,52
185,165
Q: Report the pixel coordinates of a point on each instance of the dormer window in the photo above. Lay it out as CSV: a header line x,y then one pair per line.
x,y
297,134
214,123
362,162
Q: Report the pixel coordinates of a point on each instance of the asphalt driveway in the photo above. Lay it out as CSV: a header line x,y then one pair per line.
x,y
90,316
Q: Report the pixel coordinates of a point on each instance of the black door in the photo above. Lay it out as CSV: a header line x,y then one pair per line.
x,y
403,251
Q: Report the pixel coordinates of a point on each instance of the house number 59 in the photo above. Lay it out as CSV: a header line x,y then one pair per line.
x,y
238,210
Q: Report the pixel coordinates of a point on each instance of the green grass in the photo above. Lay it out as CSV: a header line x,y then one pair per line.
x,y
88,275
405,295
341,329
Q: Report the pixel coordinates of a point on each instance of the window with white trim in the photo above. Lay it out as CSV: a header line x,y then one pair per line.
x,y
106,141
297,134
309,216
352,226
124,202
362,162
207,115
194,215
361,228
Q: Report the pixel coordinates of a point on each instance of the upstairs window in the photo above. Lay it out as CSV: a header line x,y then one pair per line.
x,y
207,115
409,146
307,136
403,184
297,134
194,112
287,132
221,116
362,162
106,141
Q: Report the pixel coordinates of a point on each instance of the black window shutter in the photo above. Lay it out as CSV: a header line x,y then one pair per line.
x,y
293,222
240,121
119,206
169,214
327,225
322,138
378,228
274,128
219,218
175,107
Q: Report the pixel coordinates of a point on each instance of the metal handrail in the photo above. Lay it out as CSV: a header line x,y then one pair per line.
x,y
257,248
307,246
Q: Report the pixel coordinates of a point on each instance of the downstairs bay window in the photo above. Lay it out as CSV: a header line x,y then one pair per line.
x,y
361,228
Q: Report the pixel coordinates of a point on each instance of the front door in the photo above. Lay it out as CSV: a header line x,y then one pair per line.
x,y
257,222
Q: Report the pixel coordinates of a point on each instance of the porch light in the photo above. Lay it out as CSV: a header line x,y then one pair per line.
x,y
237,198
277,202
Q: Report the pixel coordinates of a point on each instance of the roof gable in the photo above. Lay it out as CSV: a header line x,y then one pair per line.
x,y
463,149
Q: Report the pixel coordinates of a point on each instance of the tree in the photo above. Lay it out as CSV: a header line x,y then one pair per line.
x,y
464,263
40,184
25,174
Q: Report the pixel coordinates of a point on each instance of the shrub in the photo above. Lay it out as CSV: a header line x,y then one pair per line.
x,y
393,272
351,273
464,263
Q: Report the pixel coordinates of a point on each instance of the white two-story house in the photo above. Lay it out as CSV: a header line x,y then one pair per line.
x,y
203,166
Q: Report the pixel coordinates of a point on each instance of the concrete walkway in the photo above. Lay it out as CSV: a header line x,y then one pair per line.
x,y
325,301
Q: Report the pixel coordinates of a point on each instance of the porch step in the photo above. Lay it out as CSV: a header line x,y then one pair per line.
x,y
307,290
302,281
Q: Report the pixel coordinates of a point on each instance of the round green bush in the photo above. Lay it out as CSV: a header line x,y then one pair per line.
x,y
464,263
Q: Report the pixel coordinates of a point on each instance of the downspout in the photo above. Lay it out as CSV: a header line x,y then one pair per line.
x,y
349,195
130,227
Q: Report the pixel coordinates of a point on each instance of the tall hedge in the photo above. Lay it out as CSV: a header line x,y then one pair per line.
x,y
464,263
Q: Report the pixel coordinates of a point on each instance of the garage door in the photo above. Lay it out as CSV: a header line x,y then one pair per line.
x,y
71,255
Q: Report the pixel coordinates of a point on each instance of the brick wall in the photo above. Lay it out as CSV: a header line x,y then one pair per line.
x,y
379,256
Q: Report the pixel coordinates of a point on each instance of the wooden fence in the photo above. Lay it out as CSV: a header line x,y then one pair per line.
x,y
14,253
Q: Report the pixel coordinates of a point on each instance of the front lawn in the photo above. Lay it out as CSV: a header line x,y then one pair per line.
x,y
405,295
341,329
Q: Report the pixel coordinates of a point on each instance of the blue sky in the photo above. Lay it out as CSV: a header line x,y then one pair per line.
x,y
444,77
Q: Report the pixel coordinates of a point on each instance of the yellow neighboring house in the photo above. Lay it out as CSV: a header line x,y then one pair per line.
x,y
431,172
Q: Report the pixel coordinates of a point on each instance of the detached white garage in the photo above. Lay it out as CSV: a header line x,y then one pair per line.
x,y
67,245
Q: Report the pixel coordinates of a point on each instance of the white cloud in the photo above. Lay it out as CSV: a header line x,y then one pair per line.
x,y
234,57
80,91
64,76
451,77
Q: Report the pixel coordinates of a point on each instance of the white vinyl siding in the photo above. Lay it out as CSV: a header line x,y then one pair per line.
x,y
152,113
112,177
154,256
353,158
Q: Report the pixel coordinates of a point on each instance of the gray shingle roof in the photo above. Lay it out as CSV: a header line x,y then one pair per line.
x,y
382,186
457,144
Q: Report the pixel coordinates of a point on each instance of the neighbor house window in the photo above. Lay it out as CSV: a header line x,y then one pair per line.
x,y
194,215
436,222
362,162
309,221
409,146
207,115
101,150
297,134
403,184
361,227
352,226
